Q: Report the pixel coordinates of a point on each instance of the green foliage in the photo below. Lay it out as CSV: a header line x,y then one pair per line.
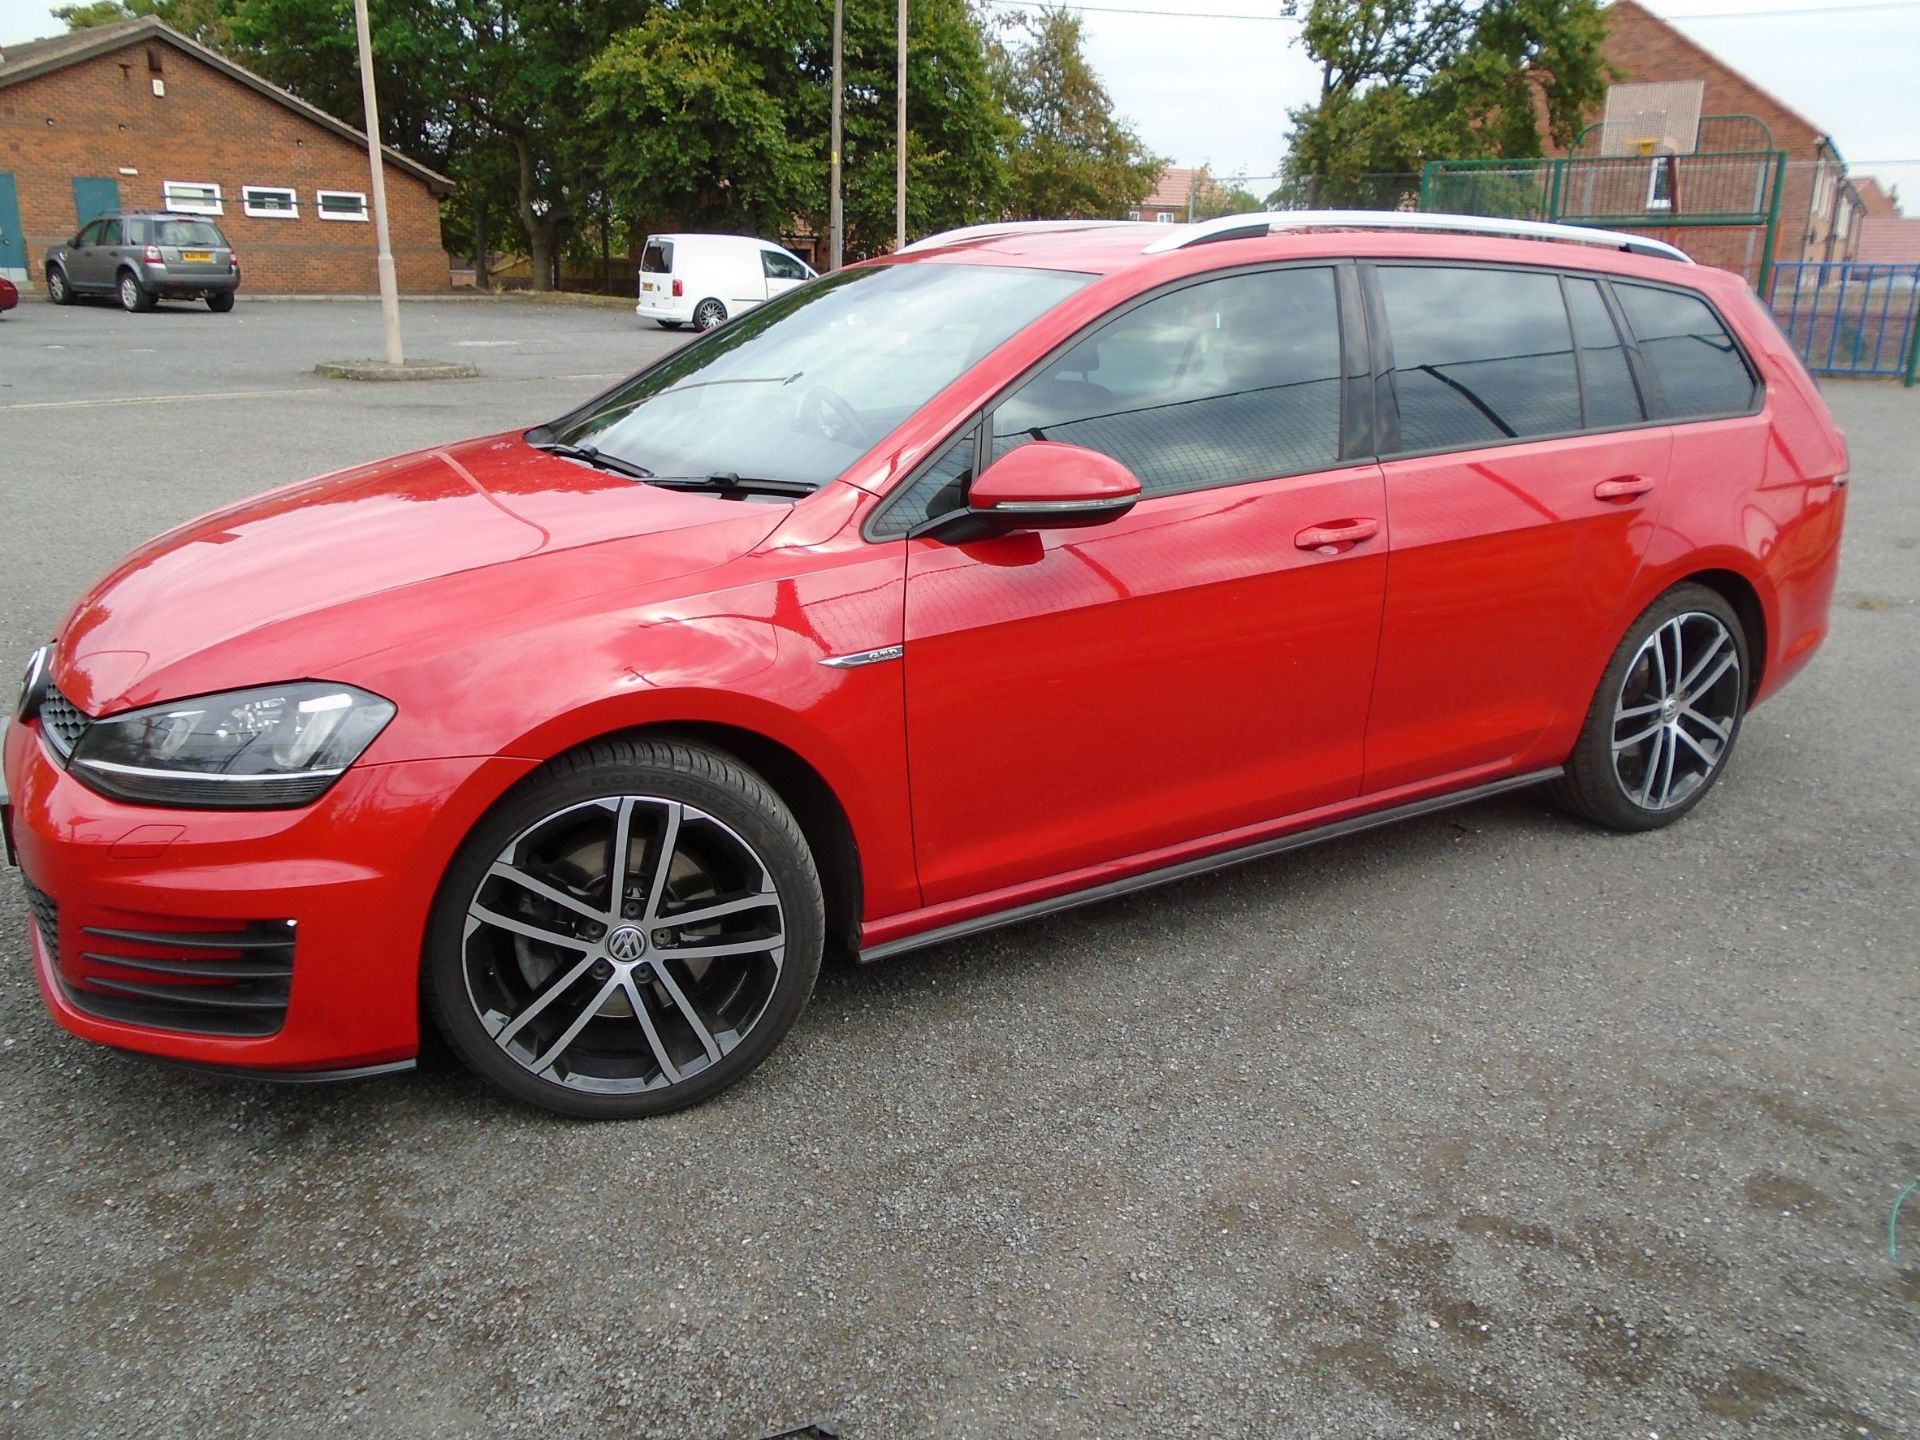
x,y
203,20
1214,198
1070,157
714,114
1407,81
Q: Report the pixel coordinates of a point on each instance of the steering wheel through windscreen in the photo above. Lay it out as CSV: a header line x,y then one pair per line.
x,y
825,409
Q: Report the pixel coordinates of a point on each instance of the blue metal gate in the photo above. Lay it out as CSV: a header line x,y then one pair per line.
x,y
1850,318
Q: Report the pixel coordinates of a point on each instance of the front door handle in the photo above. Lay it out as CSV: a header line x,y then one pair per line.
x,y
1335,536
1623,487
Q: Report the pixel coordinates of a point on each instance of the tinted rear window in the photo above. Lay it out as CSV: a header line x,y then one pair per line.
x,y
1612,398
657,258
1479,356
1700,369
188,232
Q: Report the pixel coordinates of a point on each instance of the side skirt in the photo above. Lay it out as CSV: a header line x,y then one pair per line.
x,y
1184,869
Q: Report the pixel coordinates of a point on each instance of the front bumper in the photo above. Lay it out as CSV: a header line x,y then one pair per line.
x,y
326,905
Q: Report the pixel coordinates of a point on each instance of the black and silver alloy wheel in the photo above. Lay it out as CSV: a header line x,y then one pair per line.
x,y
1666,716
58,290
708,314
133,295
1676,710
631,950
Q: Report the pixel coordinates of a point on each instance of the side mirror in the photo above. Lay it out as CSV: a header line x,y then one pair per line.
x,y
1049,485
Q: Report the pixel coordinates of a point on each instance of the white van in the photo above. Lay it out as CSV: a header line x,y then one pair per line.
x,y
701,280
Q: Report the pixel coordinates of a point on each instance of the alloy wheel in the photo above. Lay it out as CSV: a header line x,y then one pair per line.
x,y
623,944
1677,710
57,287
710,314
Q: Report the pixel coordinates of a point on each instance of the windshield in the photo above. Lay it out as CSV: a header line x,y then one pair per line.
x,y
801,387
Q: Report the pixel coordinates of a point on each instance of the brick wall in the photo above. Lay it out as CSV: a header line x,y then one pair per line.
x,y
100,117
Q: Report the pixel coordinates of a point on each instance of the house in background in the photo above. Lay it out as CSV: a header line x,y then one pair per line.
x,y
1734,119
1178,195
1886,236
137,116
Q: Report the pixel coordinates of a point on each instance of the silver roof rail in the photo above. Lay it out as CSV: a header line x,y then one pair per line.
x,y
1004,227
1229,227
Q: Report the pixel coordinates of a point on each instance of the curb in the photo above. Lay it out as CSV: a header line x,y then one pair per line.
x,y
381,370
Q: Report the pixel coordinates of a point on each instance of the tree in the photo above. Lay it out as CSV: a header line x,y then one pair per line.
x,y
1213,198
714,113
1071,156
1406,81
202,20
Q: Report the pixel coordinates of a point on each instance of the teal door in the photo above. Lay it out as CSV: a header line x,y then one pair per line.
x,y
13,246
93,196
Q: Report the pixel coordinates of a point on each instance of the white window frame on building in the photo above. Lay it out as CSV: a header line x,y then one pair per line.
x,y
1165,217
1660,183
320,198
1133,214
270,202
192,197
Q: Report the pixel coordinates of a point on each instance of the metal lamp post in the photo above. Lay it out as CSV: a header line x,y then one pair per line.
x,y
389,285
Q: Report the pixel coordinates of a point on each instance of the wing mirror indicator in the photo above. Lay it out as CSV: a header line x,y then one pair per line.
x,y
1045,485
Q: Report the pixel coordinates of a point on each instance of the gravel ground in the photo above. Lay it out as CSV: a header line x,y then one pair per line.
x,y
1486,1125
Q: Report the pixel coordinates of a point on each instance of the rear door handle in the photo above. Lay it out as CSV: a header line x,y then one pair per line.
x,y
1334,536
1623,487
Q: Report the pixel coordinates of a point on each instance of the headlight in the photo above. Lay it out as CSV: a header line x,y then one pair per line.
x,y
275,747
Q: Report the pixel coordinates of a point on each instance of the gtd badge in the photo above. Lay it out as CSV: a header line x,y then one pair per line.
x,y
34,688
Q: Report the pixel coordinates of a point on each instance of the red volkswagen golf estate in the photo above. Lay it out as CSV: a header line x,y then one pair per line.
x,y
1031,566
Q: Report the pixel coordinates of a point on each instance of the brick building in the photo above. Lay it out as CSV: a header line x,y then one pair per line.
x,y
1177,194
1819,210
136,116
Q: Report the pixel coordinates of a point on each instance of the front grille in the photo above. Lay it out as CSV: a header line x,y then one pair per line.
x,y
60,722
46,914
207,982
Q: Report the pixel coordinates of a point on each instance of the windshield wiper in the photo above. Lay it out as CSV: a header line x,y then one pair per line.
x,y
731,480
593,455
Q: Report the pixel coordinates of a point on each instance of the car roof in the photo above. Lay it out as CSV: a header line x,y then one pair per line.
x,y
754,240
1112,247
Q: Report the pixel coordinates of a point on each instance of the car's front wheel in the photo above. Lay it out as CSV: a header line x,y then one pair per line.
x,y
58,290
1663,724
631,931
133,295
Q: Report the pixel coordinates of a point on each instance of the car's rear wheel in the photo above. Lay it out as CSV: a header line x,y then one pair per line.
x,y
1663,725
133,295
670,324
220,302
632,931
58,290
708,314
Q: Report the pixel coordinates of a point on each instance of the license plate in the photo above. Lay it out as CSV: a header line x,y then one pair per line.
x,y
196,257
648,286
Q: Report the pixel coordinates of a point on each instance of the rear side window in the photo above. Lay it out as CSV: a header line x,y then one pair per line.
x,y
1612,398
657,258
1479,356
1700,369
188,232
1216,383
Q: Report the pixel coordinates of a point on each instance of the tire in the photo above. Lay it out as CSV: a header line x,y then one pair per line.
x,y
709,314
58,290
671,324
220,302
134,297
617,1016
1650,750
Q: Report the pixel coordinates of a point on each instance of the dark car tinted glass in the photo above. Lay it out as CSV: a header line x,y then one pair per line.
x,y
198,233
941,487
781,267
1479,356
1700,369
1229,380
657,258
1612,398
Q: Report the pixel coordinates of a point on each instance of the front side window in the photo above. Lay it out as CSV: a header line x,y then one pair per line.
x,y
193,196
781,266
89,233
940,488
799,388
1700,369
1480,357
1228,380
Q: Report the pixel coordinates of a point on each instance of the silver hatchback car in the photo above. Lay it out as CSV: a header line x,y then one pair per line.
x,y
144,258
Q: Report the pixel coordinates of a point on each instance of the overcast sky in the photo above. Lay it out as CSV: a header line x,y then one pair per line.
x,y
1217,90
